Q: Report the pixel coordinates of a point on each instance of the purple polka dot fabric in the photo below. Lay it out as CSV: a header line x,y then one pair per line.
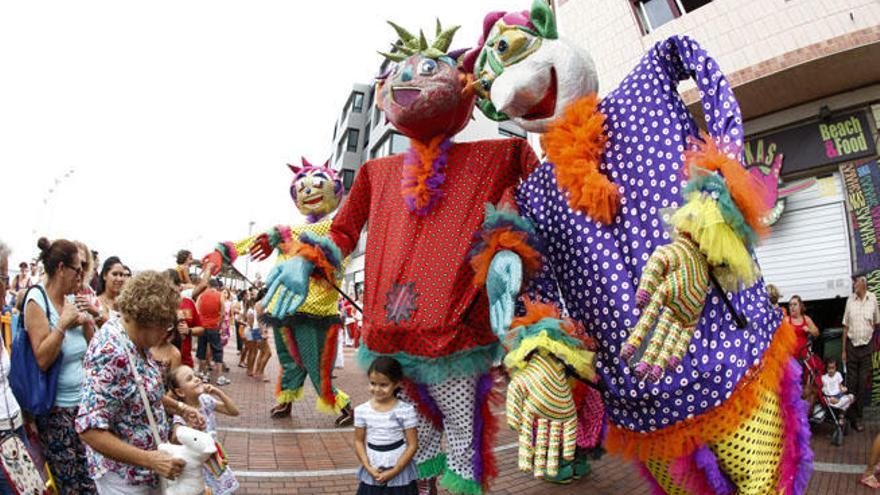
x,y
593,270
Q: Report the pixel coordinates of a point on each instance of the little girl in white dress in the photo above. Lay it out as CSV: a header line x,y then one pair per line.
x,y
385,434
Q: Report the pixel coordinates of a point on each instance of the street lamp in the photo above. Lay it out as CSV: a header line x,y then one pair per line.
x,y
247,260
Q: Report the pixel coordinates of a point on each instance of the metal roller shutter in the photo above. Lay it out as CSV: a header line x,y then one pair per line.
x,y
808,251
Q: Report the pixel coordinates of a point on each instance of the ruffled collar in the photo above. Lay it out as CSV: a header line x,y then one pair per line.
x,y
574,144
424,166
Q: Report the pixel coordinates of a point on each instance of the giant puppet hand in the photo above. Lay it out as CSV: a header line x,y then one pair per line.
x,y
290,280
671,293
503,282
541,409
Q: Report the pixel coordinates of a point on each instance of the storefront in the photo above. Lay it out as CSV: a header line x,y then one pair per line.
x,y
823,186
811,250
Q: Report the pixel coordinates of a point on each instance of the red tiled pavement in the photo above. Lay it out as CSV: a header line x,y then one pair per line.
x,y
267,454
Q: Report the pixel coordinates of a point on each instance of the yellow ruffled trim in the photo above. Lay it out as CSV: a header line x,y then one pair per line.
x,y
579,359
341,401
702,220
288,396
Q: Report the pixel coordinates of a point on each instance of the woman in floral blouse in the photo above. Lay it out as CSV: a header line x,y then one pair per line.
x,y
112,420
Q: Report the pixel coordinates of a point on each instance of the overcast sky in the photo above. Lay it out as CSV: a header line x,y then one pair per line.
x,y
177,117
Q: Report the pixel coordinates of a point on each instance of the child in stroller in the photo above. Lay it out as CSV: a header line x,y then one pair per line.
x,y
835,393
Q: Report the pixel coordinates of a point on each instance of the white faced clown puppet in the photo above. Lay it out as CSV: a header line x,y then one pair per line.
x,y
305,339
647,227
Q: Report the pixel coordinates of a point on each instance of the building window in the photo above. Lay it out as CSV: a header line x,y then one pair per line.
x,y
376,115
399,143
347,178
654,13
339,149
367,135
358,102
390,144
352,139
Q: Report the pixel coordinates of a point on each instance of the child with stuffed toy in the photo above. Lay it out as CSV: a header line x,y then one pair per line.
x,y
186,387
385,434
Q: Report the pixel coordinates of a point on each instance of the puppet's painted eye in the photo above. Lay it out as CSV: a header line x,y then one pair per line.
x,y
502,45
427,67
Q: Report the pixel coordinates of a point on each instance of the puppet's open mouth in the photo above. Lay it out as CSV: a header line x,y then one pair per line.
x,y
403,96
314,200
547,106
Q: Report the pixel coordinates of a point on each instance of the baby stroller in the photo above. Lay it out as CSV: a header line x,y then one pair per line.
x,y
822,411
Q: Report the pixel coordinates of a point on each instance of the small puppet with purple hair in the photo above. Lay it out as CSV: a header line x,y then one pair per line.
x,y
305,340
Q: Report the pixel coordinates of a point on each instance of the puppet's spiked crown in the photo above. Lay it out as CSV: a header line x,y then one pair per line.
x,y
409,44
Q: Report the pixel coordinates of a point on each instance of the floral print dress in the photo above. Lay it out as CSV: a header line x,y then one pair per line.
x,y
111,401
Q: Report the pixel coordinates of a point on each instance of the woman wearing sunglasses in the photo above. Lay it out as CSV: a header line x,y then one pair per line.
x,y
57,329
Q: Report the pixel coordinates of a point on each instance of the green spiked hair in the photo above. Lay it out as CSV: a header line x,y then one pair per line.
x,y
410,44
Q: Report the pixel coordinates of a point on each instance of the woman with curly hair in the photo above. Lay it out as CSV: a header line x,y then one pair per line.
x,y
112,420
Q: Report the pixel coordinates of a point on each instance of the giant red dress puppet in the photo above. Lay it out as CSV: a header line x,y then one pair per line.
x,y
699,382
423,208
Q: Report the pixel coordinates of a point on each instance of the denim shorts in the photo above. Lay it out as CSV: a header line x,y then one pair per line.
x,y
211,337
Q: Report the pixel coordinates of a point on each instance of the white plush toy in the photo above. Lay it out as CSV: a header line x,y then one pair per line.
x,y
196,447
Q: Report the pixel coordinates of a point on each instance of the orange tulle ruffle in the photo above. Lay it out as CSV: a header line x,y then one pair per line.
x,y
746,190
504,239
574,143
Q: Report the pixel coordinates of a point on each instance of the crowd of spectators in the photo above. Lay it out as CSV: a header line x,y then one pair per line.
x,y
104,330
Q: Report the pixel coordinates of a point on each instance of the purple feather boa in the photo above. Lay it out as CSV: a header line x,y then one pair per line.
x,y
424,398
796,464
412,162
699,473
707,463
484,387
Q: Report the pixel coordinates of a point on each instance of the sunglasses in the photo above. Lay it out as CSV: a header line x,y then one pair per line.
x,y
77,269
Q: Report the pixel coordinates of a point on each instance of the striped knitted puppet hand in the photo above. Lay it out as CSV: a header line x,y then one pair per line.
x,y
540,408
671,293
542,347
714,230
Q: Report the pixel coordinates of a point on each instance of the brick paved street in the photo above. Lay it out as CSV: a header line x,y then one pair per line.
x,y
306,454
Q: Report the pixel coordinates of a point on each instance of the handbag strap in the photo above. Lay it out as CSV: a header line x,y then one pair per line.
x,y
49,308
144,398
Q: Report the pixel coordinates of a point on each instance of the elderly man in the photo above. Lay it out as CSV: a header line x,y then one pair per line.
x,y
859,320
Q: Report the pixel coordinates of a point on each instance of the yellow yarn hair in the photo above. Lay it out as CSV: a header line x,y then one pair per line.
x,y
702,220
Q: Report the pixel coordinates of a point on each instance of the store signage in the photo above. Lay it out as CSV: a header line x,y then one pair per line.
x,y
861,181
764,163
833,140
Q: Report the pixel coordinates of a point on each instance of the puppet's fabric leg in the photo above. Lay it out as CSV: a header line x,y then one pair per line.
x,y
461,401
290,382
429,459
311,335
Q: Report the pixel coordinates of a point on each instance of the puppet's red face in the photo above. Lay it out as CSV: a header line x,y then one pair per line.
x,y
424,98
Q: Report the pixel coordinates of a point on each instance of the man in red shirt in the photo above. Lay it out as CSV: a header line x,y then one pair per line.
x,y
189,323
210,308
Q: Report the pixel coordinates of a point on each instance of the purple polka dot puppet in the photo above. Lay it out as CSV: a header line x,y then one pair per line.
x,y
704,372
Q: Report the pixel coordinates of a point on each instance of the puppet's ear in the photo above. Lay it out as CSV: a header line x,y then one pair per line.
x,y
543,19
